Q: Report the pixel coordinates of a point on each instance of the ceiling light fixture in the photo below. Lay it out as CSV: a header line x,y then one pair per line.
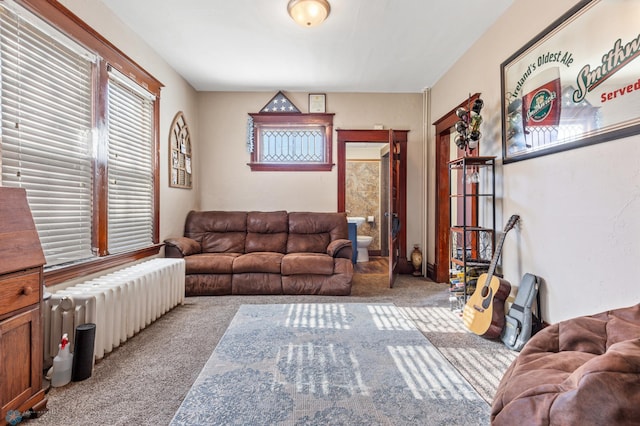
x,y
309,13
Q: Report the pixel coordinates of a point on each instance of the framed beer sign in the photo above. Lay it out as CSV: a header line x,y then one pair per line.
x,y
577,83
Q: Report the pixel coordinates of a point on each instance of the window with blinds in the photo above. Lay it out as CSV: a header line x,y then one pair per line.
x,y
130,167
46,109
86,152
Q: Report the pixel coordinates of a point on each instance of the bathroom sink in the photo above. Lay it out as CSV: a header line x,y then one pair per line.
x,y
355,219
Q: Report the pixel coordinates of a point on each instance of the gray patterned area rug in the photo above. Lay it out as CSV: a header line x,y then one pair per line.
x,y
328,364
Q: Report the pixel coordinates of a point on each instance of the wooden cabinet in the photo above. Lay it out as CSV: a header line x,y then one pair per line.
x,y
21,262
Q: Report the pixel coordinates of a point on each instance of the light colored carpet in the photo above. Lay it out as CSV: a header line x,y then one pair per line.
x,y
144,381
328,364
482,362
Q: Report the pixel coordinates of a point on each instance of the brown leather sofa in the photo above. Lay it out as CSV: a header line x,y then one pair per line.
x,y
583,371
264,253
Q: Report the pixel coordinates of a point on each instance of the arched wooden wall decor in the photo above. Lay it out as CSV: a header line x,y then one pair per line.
x,y
180,154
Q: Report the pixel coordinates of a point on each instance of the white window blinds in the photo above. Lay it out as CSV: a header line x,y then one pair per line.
x,y
46,109
130,169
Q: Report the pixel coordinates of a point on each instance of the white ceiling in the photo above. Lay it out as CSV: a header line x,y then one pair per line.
x,y
363,46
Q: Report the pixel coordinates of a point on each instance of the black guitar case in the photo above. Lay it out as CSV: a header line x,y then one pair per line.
x,y
520,322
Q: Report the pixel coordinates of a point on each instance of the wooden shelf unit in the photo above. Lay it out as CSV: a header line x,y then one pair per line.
x,y
471,244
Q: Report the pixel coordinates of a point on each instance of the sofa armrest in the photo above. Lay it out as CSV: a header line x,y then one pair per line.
x,y
181,246
340,248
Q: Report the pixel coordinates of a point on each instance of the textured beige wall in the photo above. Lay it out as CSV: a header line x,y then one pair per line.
x,y
227,183
176,95
217,122
579,209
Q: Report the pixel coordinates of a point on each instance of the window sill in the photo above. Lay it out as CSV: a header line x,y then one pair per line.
x,y
264,167
95,265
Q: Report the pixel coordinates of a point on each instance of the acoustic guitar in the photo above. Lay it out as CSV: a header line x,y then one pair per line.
x,y
483,313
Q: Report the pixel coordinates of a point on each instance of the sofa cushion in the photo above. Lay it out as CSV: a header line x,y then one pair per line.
x,y
223,242
207,284
312,232
337,284
210,263
256,283
308,243
307,263
217,231
258,262
267,231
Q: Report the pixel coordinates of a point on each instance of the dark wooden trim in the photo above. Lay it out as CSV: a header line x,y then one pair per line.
x,y
355,136
345,136
342,171
156,170
100,176
280,167
431,271
364,135
448,121
404,266
442,202
95,265
274,119
450,118
402,199
63,19
277,118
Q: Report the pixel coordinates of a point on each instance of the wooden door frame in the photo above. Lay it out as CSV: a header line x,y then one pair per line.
x,y
354,136
443,202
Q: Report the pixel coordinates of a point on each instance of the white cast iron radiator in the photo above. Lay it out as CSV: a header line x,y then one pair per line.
x,y
120,304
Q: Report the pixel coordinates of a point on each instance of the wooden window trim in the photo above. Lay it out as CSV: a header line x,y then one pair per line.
x,y
63,19
97,264
70,24
293,119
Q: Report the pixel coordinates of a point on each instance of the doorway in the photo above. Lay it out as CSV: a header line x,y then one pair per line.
x,y
366,191
443,199
391,144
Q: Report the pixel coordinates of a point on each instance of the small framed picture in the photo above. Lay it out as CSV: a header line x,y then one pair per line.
x,y
317,102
